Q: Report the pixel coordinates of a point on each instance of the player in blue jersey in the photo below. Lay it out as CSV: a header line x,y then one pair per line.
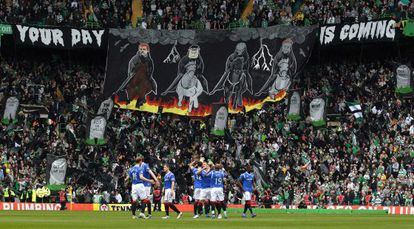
x,y
147,172
206,187
218,176
169,193
196,168
246,182
138,189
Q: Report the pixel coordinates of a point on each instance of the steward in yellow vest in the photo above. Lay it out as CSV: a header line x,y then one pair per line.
x,y
8,195
34,195
46,192
40,194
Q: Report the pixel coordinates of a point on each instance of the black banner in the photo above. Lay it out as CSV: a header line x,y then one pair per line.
x,y
371,31
186,71
59,37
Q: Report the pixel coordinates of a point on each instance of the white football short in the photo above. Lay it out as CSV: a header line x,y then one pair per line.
x,y
247,196
138,192
217,194
168,196
148,191
205,193
197,194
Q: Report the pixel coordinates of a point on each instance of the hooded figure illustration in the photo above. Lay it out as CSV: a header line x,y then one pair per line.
x,y
236,79
283,70
190,81
140,81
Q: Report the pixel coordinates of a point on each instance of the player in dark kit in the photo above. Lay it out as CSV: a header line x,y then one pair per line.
x,y
169,193
246,182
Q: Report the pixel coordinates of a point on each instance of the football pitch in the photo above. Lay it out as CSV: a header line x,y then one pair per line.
x,y
32,219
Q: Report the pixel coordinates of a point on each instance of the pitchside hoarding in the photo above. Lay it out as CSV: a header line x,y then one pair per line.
x,y
394,210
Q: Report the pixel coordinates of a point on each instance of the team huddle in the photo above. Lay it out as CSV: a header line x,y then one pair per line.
x,y
209,182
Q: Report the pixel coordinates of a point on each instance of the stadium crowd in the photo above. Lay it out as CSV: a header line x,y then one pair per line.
x,y
348,162
200,14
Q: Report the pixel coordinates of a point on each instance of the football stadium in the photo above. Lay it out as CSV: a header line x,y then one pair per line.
x,y
206,114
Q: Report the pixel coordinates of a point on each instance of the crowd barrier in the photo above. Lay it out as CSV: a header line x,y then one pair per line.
x,y
394,210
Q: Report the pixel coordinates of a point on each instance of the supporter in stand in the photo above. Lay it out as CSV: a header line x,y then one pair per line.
x,y
378,171
199,14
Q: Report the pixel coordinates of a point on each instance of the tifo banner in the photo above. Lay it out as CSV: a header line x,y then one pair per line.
x,y
220,114
59,37
105,108
186,71
371,31
10,110
295,106
96,131
56,167
404,80
317,112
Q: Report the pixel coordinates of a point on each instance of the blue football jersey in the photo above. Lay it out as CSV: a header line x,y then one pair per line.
x,y
134,173
145,171
217,179
247,181
205,179
197,178
168,179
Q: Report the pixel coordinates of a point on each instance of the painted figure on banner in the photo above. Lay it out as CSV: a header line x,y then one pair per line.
x,y
284,68
140,81
190,81
236,79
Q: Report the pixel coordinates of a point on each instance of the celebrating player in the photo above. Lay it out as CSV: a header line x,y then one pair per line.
x,y
246,182
169,193
206,187
217,191
138,188
198,205
148,174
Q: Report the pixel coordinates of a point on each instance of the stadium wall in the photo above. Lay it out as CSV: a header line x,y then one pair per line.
x,y
393,210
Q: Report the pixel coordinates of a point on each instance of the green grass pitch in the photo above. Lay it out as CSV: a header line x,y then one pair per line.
x,y
31,219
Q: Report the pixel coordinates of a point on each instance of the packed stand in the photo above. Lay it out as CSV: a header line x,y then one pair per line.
x,y
200,14
78,13
51,103
348,162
